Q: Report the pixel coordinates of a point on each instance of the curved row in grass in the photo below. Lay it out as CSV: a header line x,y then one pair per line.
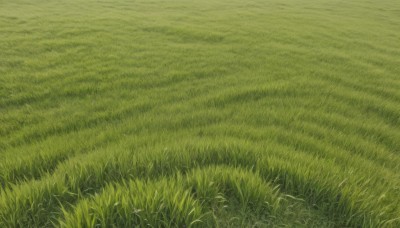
x,y
320,182
179,201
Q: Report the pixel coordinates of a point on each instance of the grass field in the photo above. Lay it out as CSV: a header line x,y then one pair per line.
x,y
211,113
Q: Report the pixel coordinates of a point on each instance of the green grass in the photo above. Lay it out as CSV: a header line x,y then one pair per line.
x,y
215,113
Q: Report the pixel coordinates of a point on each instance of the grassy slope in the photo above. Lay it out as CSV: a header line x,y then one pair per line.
x,y
105,103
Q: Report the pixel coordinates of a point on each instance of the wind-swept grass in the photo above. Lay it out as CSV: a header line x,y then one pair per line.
x,y
199,113
320,183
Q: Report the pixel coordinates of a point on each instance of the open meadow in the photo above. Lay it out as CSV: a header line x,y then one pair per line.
x,y
199,113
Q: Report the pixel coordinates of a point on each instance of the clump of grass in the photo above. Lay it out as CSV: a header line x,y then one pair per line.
x,y
248,189
137,203
182,200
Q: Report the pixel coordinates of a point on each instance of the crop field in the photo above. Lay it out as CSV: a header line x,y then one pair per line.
x,y
199,113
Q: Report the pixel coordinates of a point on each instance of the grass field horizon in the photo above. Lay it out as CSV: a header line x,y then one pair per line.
x,y
214,113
